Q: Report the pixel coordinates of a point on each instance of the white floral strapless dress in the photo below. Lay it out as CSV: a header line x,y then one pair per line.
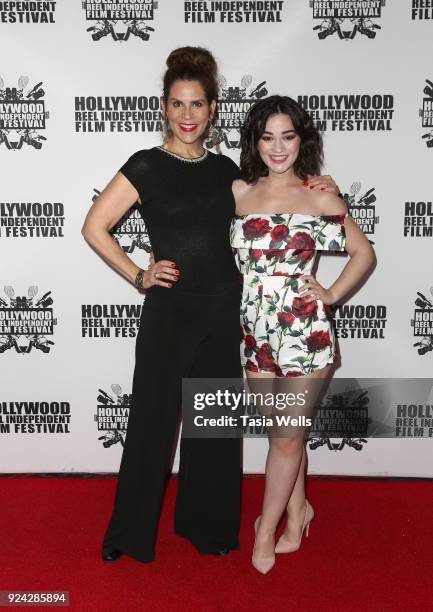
x,y
280,331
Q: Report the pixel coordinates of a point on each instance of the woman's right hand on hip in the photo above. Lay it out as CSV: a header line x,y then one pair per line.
x,y
160,273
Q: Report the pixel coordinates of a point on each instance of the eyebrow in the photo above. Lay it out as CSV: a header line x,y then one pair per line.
x,y
285,132
179,100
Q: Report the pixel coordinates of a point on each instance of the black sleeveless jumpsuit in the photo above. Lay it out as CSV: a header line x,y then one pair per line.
x,y
191,330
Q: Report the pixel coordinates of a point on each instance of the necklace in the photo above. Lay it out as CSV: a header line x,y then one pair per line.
x,y
193,160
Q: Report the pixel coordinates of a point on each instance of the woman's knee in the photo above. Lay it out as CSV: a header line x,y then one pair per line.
x,y
287,445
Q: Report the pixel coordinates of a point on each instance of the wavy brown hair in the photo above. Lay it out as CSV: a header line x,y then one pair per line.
x,y
310,158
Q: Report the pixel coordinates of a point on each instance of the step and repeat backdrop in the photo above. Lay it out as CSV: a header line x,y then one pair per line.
x,y
80,86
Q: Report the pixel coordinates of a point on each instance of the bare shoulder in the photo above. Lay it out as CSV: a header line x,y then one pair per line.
x,y
328,203
240,187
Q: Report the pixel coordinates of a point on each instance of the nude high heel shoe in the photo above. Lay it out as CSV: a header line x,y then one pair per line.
x,y
262,564
283,545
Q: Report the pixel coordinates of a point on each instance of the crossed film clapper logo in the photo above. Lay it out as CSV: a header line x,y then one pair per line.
x,y
22,115
422,323
362,207
233,104
426,113
351,399
26,322
336,22
120,20
112,414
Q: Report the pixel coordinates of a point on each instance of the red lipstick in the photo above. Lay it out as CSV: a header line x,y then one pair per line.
x,y
187,128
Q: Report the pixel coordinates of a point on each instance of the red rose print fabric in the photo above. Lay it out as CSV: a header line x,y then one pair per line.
x,y
280,331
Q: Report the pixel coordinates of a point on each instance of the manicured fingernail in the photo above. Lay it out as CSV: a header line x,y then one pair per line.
x,y
170,285
322,189
176,272
311,186
172,265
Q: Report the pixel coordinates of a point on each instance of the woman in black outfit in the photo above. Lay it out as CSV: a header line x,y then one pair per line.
x,y
189,323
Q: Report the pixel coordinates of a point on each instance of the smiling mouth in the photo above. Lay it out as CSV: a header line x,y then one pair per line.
x,y
279,159
187,127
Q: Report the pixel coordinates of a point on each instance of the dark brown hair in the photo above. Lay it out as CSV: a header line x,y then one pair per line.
x,y
310,156
192,64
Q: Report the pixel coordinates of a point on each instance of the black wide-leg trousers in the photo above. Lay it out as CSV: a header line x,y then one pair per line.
x,y
190,336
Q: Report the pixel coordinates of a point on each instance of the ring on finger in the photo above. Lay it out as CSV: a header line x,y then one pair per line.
x,y
156,275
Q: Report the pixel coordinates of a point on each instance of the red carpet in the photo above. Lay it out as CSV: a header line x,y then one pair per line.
x,y
370,548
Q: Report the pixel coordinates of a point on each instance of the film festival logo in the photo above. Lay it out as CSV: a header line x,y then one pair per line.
x,y
259,11
27,12
422,323
346,19
26,323
233,104
362,208
422,9
35,417
342,416
130,231
350,112
32,219
418,219
426,113
120,19
99,114
360,321
112,414
22,115
110,320
413,421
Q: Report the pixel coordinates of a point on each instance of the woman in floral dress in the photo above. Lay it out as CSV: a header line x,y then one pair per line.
x,y
286,333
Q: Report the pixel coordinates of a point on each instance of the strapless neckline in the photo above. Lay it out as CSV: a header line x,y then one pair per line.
x,y
293,214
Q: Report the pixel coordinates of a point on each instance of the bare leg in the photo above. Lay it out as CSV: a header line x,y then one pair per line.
x,y
282,469
265,538
296,504
285,480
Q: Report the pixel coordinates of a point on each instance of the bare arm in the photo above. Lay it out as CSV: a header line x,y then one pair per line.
x,y
114,201
362,258
239,188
